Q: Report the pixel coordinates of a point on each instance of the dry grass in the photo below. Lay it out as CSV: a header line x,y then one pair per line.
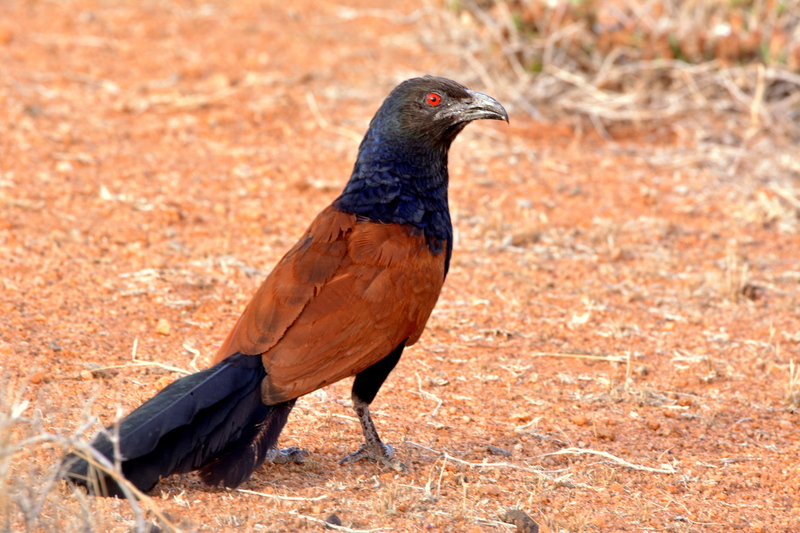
x,y
793,385
722,78
33,496
641,63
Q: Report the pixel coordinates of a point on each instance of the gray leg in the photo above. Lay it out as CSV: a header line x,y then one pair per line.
x,y
292,454
373,448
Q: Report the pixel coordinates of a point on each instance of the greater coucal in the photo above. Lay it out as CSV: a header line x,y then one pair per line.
x,y
356,289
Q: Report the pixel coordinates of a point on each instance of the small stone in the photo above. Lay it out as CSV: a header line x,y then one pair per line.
x,y
163,381
753,292
652,424
605,433
579,420
333,520
37,377
685,401
53,345
495,450
96,370
520,518
64,167
163,327
86,375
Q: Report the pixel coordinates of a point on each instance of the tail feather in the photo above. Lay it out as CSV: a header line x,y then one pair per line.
x,y
186,425
242,457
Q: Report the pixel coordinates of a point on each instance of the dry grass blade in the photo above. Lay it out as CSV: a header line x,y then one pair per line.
x,y
583,451
334,526
22,439
793,386
485,464
283,498
134,496
427,394
609,358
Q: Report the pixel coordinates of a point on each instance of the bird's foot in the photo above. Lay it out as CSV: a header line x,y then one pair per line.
x,y
292,454
383,453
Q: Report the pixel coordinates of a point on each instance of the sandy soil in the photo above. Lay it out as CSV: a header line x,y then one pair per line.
x,y
611,351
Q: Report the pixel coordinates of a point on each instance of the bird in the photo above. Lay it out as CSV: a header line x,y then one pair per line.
x,y
355,290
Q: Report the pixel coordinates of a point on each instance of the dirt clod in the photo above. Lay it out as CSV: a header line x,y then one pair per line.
x,y
520,518
495,450
334,519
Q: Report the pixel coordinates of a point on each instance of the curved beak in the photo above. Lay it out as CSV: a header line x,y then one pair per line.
x,y
482,106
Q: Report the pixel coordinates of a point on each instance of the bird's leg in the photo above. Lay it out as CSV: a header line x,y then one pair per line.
x,y
272,431
373,447
365,388
292,454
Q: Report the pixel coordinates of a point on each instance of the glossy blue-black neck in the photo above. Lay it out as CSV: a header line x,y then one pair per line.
x,y
397,179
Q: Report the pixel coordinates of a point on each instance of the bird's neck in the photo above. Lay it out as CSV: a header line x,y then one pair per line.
x,y
400,182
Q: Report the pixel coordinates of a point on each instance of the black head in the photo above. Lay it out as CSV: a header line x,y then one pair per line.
x,y
401,175
433,110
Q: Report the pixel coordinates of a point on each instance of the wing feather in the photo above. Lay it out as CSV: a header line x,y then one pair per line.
x,y
339,301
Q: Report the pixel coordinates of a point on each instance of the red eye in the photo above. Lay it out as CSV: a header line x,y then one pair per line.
x,y
433,99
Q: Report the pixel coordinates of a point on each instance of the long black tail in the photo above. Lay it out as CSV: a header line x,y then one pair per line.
x,y
213,421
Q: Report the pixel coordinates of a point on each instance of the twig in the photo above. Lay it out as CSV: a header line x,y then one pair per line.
x,y
429,395
195,352
623,462
334,526
484,464
283,498
609,358
142,364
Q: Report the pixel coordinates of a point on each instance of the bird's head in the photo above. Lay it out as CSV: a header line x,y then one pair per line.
x,y
401,175
433,111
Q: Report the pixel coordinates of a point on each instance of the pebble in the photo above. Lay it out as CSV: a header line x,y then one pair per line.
x,y
579,420
519,518
605,433
334,520
163,327
495,450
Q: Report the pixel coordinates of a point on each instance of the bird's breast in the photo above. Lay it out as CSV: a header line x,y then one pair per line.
x,y
383,295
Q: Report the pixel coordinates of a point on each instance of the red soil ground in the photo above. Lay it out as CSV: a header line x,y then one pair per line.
x,y
619,317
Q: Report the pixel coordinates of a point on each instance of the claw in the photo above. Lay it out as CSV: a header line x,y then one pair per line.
x,y
292,454
382,453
